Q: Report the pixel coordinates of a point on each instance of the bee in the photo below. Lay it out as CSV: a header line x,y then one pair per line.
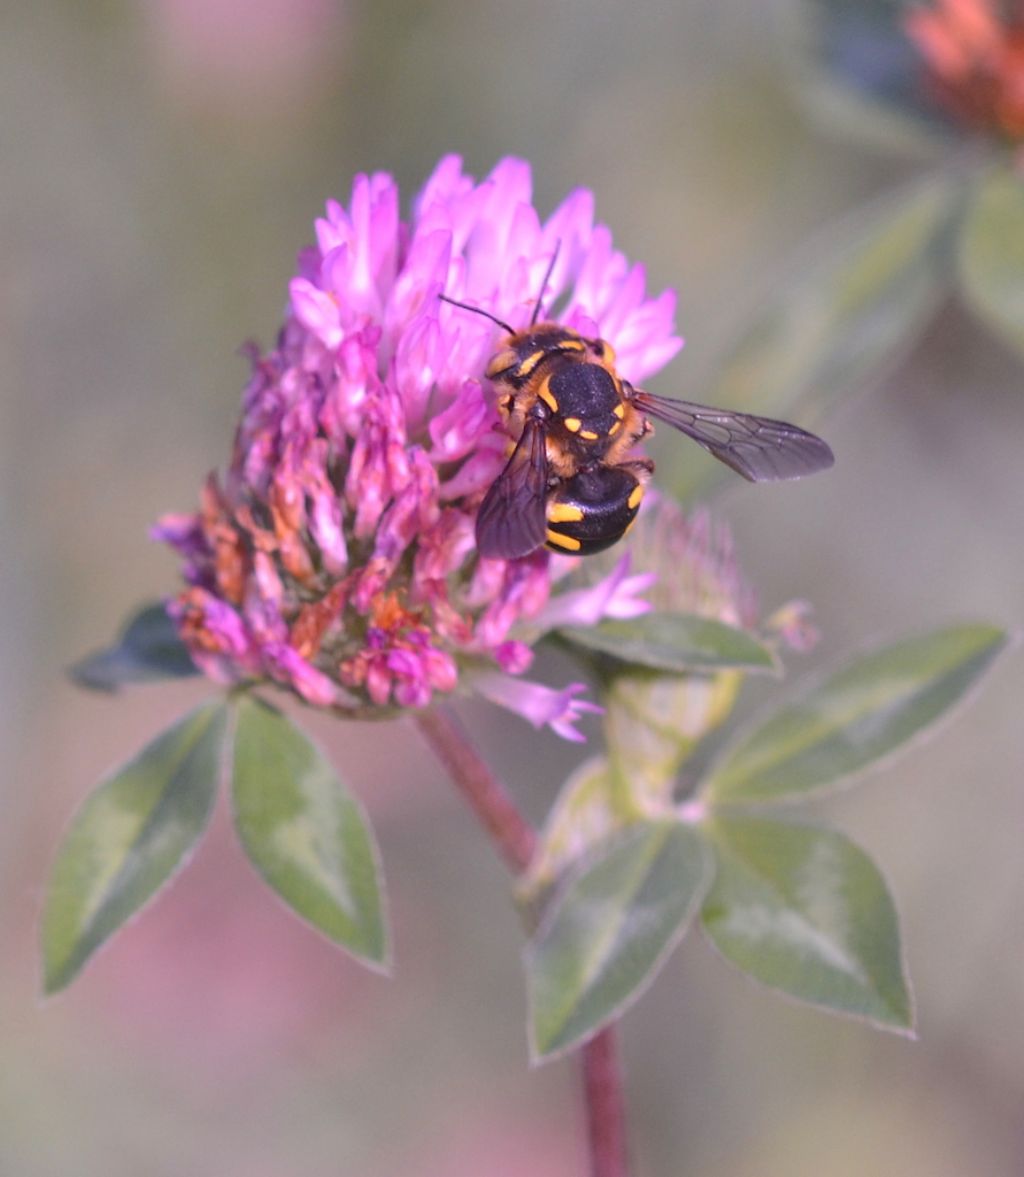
x,y
572,481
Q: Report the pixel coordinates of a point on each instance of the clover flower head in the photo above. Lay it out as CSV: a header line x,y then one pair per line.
x,y
336,556
974,54
690,566
691,560
654,720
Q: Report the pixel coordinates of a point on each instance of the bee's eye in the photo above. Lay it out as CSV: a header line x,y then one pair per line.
x,y
604,351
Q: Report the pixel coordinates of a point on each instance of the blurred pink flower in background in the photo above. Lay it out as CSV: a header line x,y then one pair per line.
x,y
974,52
226,980
245,59
492,1144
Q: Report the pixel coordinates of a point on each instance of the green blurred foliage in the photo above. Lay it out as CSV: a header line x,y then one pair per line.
x,y
992,254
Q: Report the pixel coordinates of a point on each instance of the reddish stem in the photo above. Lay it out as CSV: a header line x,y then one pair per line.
x,y
605,1105
516,840
510,831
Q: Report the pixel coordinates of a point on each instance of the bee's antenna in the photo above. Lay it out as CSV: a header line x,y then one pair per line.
x,y
477,311
544,284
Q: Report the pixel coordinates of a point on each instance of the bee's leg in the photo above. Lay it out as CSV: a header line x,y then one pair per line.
x,y
635,428
640,468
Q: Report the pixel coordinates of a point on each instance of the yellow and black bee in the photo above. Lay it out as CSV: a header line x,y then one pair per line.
x,y
570,481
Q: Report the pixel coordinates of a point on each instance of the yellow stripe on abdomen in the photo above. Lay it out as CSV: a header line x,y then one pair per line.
x,y
568,542
564,513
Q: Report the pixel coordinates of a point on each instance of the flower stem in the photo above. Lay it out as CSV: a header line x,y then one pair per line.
x,y
516,840
605,1105
510,831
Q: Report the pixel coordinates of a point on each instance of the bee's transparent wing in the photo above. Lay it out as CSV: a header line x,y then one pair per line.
x,y
759,448
512,520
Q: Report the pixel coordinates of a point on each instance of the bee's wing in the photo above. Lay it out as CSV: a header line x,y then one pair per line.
x,y
512,520
759,448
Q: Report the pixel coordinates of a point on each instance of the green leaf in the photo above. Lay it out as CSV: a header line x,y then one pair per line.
x,y
306,834
858,299
991,255
147,650
806,912
608,931
129,838
585,813
677,643
858,715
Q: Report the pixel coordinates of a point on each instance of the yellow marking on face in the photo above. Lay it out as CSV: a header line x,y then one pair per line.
x,y
545,394
614,428
572,345
564,513
568,542
588,434
635,495
619,410
502,361
531,362
573,424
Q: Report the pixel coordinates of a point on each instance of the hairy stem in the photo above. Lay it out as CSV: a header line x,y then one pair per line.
x,y
516,840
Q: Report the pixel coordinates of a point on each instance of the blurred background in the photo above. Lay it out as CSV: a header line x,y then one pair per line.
x,y
162,163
